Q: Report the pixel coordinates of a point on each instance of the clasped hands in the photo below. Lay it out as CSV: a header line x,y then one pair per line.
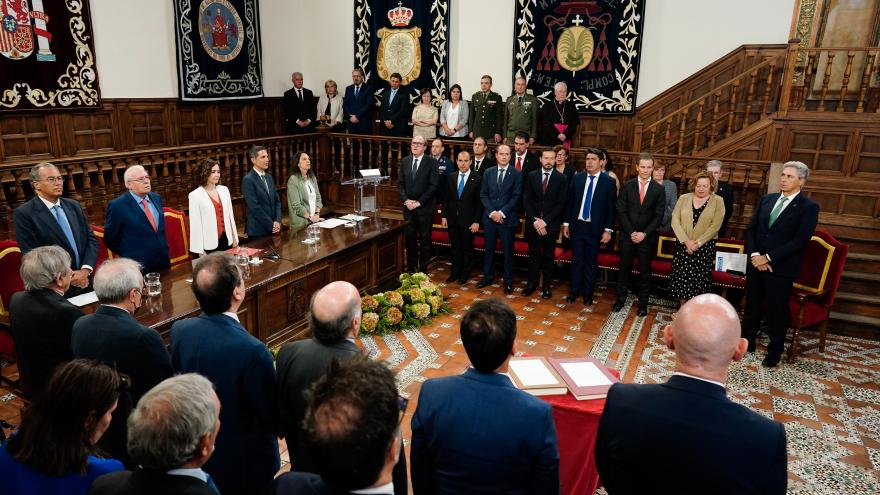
x,y
411,204
637,237
761,263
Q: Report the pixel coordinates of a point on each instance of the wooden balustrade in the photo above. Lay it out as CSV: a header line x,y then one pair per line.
x,y
834,80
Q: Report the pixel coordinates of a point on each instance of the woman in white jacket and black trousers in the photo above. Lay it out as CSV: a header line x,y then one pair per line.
x,y
211,221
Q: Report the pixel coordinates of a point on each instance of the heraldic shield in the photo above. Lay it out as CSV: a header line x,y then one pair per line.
x,y
399,51
16,33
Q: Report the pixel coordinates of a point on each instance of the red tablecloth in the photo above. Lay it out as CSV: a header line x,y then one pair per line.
x,y
577,425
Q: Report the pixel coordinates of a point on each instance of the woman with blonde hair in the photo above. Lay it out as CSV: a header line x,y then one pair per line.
x,y
330,103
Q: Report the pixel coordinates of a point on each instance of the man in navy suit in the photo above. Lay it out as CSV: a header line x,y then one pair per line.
x,y
134,226
544,195
263,203
218,347
500,195
357,105
461,215
639,210
780,230
589,222
394,112
685,435
476,432
48,219
417,185
444,168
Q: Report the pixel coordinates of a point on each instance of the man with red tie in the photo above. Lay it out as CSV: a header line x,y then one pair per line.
x,y
524,161
134,226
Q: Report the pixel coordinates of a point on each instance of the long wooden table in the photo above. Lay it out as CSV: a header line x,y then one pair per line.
x,y
278,292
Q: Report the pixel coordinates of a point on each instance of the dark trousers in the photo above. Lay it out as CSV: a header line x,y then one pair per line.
x,y
461,241
222,244
767,293
642,250
418,241
492,232
542,250
584,258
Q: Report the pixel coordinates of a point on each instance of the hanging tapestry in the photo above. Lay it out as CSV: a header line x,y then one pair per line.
x,y
218,49
593,46
48,55
407,37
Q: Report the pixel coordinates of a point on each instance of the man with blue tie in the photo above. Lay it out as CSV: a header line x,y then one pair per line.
x,y
395,112
134,225
776,238
589,223
500,194
48,219
461,215
357,105
263,203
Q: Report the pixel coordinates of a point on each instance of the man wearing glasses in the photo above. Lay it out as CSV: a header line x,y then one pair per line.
x,y
48,219
417,182
134,226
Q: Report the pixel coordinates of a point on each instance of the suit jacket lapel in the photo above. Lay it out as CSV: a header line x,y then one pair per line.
x,y
790,209
74,223
46,217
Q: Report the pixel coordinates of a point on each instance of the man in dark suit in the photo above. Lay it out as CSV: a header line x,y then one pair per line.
x,y
639,210
444,168
299,107
724,190
482,160
589,222
776,238
357,104
218,347
685,435
524,160
417,184
263,203
476,431
48,219
353,426
544,195
171,435
461,216
112,335
395,111
500,194
40,318
134,225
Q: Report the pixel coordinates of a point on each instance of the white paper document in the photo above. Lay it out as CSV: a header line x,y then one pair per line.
x,y
533,372
585,374
371,172
352,217
84,299
330,223
726,262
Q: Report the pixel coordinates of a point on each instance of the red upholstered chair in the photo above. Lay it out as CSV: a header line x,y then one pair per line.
x,y
104,254
176,235
816,287
10,283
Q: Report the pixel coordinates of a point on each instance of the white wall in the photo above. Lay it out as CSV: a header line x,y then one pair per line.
x,y
136,58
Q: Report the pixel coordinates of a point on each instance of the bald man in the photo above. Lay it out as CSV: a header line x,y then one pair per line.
x,y
685,435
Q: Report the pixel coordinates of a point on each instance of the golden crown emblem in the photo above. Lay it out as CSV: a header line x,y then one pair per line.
x,y
400,16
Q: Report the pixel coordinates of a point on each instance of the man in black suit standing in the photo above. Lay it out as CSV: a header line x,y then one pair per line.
x,y
299,107
685,434
589,222
639,210
544,196
357,106
417,184
112,335
461,216
394,113
523,160
724,190
258,189
500,193
482,160
48,219
776,238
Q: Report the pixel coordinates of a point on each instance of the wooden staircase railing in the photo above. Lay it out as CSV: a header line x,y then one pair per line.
x,y
832,80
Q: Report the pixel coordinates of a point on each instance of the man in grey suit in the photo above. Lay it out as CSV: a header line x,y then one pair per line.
x,y
417,183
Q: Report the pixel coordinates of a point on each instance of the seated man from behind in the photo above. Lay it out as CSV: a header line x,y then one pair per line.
x,y
171,435
352,431
477,433
685,435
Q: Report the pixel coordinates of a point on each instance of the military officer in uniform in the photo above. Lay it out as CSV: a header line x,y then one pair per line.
x,y
487,119
521,113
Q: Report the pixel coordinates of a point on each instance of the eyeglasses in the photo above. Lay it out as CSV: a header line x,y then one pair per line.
x,y
143,180
54,179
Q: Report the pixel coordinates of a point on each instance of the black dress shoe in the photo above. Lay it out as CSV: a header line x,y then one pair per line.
x,y
546,294
617,307
770,361
525,292
570,298
508,289
642,312
483,283
450,279
588,299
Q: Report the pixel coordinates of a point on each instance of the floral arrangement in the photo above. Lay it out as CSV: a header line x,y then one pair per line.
x,y
410,305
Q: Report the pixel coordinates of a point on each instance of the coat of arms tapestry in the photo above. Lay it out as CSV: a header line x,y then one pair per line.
x,y
593,46
48,55
218,49
407,37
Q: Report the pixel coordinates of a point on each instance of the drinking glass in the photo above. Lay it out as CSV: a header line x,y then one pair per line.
x,y
152,283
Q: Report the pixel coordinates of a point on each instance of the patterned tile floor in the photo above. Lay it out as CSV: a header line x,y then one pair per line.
x,y
829,403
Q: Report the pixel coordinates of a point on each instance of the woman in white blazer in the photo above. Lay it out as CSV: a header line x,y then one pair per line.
x,y
211,220
331,96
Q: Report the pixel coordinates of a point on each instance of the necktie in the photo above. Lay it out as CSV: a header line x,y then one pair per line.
x,y
643,186
265,183
519,100
415,166
391,99
356,88
149,214
544,183
299,93
477,165
519,163
777,209
460,184
61,218
585,213
501,175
